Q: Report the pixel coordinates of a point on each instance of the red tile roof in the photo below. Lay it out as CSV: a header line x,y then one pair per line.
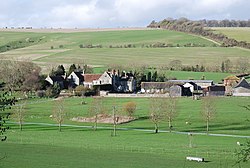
x,y
91,77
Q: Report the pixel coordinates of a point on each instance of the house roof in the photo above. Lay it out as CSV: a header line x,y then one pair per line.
x,y
194,81
56,78
157,85
79,75
91,77
243,83
232,78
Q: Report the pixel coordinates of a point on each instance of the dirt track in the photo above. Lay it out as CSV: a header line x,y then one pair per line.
x,y
62,30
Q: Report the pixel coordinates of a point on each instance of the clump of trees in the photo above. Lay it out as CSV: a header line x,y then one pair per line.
x,y
20,75
198,27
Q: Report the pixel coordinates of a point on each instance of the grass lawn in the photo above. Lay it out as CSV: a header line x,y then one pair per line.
x,y
45,146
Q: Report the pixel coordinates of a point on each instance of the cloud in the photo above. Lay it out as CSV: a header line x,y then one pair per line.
x,y
113,13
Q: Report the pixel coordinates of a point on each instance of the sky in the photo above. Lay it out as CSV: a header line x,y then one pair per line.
x,y
114,13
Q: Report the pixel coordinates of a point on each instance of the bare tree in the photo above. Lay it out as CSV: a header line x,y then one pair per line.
x,y
96,108
242,65
19,114
59,112
14,73
169,106
208,110
155,111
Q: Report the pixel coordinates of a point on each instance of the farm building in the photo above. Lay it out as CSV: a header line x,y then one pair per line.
x,y
215,90
156,87
60,80
242,88
89,79
116,82
75,79
229,83
201,83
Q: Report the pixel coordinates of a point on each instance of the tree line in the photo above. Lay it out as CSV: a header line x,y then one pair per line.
x,y
198,28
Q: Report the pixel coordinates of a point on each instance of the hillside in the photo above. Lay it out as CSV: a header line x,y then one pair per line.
x,y
154,47
238,33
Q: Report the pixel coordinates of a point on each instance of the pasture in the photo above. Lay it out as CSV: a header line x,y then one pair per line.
x,y
238,33
70,52
79,146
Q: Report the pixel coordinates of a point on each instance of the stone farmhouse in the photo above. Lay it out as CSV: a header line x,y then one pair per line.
x,y
113,81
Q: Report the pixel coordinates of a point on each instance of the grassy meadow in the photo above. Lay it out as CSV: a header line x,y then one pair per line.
x,y
43,55
45,146
238,33
42,145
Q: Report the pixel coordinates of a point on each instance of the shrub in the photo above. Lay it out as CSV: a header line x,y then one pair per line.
x,y
130,108
81,90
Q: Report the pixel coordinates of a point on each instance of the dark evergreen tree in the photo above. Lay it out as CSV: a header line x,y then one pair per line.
x,y
5,103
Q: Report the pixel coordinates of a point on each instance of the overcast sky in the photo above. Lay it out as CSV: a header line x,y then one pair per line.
x,y
114,13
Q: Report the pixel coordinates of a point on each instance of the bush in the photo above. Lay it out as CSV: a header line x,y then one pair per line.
x,y
81,90
130,108
53,91
61,46
51,47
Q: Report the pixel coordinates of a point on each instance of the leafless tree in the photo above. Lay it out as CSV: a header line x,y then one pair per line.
x,y
169,106
155,112
19,114
59,112
208,110
96,108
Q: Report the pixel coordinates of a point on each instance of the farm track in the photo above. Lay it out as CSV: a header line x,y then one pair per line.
x,y
133,129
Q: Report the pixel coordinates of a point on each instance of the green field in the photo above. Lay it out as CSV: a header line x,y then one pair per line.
x,y
238,33
44,146
98,57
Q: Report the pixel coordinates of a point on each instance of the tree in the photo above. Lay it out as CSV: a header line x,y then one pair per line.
x,y
242,65
130,108
32,81
72,68
175,65
243,154
81,90
228,65
14,73
5,103
53,91
96,108
59,112
222,67
169,106
19,114
208,110
155,112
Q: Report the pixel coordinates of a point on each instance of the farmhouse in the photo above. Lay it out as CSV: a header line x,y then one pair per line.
x,y
89,79
75,79
56,79
116,82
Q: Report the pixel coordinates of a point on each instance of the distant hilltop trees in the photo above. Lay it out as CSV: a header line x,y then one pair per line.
x,y
200,28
